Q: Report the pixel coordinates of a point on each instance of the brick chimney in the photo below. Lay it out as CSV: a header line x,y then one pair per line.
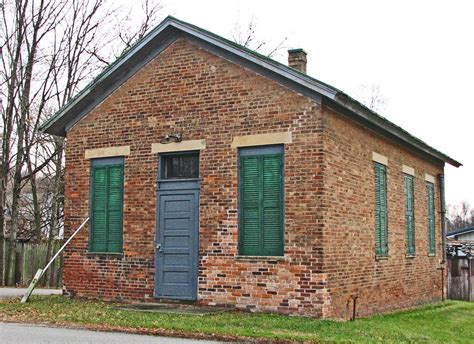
x,y
297,59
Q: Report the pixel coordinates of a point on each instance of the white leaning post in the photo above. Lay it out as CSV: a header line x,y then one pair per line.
x,y
41,272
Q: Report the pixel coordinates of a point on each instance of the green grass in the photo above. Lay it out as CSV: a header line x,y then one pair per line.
x,y
448,322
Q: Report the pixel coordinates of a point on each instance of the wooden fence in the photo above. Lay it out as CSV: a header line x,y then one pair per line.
x,y
460,278
29,258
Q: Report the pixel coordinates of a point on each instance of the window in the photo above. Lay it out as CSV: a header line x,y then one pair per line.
x,y
381,240
431,218
409,216
106,205
261,201
180,166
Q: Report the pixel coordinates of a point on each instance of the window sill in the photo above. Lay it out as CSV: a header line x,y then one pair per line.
x,y
377,258
410,256
108,255
179,180
431,254
260,258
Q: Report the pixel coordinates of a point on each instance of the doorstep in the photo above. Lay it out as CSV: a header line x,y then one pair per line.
x,y
173,308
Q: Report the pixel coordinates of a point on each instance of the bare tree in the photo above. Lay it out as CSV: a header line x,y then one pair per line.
x,y
128,33
372,97
30,24
50,49
247,37
460,216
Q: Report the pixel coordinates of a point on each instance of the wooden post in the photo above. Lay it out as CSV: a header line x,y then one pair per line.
x,y
469,280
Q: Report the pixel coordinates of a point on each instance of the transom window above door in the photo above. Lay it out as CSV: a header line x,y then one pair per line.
x,y
180,166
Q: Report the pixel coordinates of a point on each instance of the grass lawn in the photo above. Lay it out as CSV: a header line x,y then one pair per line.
x,y
448,322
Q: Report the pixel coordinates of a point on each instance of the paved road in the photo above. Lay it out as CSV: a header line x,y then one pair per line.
x,y
8,293
22,333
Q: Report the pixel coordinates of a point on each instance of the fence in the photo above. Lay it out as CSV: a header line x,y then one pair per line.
x,y
460,278
30,257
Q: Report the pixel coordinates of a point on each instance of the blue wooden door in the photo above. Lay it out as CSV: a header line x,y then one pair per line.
x,y
176,257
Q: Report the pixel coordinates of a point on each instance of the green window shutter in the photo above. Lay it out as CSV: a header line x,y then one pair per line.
x,y
115,209
431,218
381,216
106,207
409,216
261,205
98,210
272,208
250,220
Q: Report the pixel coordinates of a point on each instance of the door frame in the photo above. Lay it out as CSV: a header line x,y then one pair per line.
x,y
176,187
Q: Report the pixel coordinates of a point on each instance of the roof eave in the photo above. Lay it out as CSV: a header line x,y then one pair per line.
x,y
459,232
387,127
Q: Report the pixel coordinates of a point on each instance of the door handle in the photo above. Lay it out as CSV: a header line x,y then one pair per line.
x,y
158,247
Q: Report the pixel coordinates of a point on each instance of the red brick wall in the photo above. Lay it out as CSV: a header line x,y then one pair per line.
x,y
329,228
188,90
349,233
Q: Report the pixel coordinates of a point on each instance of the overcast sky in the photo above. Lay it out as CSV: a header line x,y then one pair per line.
x,y
420,53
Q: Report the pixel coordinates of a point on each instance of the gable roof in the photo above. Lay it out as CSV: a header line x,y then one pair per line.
x,y
171,29
458,232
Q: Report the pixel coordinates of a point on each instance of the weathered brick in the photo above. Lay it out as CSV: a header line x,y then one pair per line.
x,y
329,196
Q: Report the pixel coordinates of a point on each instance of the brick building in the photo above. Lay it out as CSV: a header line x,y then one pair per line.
x,y
212,173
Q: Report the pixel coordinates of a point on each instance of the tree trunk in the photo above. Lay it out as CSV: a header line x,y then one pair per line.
x,y
8,120
55,209
24,113
2,257
15,203
36,206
